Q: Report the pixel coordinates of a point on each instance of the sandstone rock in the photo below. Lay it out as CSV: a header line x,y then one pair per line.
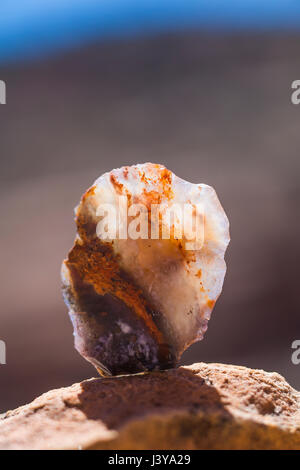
x,y
203,406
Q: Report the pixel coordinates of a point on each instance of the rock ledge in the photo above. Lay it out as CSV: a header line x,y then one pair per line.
x,y
203,406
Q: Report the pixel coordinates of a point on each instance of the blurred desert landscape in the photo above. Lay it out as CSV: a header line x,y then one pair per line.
x,y
214,109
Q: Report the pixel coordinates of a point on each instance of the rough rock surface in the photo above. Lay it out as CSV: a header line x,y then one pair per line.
x,y
203,406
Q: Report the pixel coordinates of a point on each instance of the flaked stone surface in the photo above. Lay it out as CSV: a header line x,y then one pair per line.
x,y
139,298
202,406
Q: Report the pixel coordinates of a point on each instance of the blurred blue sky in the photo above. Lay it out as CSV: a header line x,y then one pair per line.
x,y
35,27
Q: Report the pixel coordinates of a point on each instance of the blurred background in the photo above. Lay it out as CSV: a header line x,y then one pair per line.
x,y
201,87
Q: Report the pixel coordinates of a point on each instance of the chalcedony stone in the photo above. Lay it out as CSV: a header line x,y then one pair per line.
x,y
137,302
